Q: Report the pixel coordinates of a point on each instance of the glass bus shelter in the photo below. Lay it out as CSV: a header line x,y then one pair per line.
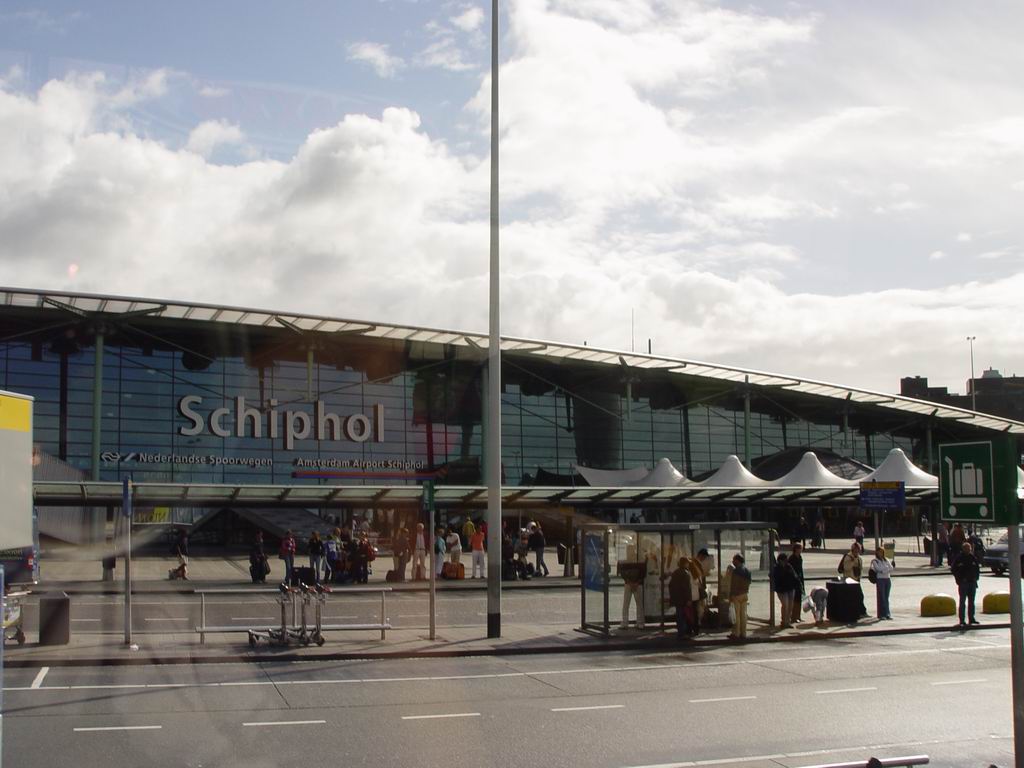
x,y
660,545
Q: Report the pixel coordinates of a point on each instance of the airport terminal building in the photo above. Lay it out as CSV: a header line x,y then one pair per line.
x,y
197,396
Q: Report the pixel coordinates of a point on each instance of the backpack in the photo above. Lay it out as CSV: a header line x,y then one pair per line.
x,y
842,560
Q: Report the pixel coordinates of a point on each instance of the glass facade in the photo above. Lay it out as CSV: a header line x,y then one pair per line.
x,y
208,403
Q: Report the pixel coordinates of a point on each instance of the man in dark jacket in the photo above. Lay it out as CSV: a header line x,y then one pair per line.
x,y
966,570
680,592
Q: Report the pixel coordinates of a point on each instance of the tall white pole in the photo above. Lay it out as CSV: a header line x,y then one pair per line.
x,y
492,451
974,400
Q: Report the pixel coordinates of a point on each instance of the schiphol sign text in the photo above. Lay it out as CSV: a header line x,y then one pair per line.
x,y
292,425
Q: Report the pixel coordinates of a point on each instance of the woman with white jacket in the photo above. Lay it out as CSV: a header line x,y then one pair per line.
x,y
880,572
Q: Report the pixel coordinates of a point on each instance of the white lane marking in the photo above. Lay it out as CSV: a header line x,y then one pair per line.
x,y
532,673
958,682
284,722
85,619
121,728
252,618
848,690
39,677
722,698
170,618
440,717
587,709
503,613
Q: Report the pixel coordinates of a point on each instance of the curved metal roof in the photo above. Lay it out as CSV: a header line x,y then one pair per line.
x,y
121,305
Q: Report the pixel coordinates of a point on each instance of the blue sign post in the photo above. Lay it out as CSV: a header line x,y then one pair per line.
x,y
878,496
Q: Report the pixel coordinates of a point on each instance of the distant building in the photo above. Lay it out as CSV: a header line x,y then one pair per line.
x,y
995,394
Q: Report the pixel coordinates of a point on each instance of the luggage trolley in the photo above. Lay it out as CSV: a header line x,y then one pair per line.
x,y
13,618
278,635
318,594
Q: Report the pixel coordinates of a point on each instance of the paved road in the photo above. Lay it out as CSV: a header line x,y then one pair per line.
x,y
946,695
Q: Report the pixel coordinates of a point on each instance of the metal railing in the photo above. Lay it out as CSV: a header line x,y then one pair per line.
x,y
878,762
203,629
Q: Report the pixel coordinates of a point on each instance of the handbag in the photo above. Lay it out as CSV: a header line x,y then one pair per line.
x,y
872,576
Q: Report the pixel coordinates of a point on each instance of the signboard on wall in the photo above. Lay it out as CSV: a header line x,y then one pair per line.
x,y
16,470
883,495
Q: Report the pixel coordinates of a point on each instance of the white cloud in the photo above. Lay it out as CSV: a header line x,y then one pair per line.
x,y
937,255
213,92
207,136
377,56
964,237
469,20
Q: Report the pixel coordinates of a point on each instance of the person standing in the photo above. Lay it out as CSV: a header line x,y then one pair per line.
x,y
943,537
851,566
332,548
803,531
796,559
739,593
537,544
706,563
287,554
454,546
258,568
400,552
818,540
880,572
966,570
633,572
468,529
679,591
476,552
786,583
439,551
957,537
419,553
858,533
315,548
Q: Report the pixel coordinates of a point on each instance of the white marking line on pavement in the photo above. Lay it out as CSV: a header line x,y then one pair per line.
x,y
85,619
170,618
587,709
958,682
440,717
284,722
533,673
252,618
39,677
120,728
722,698
848,690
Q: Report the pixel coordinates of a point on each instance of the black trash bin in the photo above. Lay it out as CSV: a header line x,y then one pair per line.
x,y
54,619
562,549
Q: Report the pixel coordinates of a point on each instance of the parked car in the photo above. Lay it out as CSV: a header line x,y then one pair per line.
x,y
996,558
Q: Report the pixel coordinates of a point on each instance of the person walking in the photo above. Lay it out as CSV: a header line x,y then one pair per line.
x,y
287,554
739,593
258,567
818,539
332,549
476,552
315,548
966,570
679,592
943,537
786,583
858,533
468,529
880,572
537,544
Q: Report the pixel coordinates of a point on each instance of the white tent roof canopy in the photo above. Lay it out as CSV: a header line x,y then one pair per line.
x,y
477,343
810,472
898,468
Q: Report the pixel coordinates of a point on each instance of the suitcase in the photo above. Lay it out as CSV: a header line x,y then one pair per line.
x,y
448,571
845,602
391,577
459,571
305,576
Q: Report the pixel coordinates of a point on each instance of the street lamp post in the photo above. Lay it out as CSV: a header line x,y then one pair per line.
x,y
974,400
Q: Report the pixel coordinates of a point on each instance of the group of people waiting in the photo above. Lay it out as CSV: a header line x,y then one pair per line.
x,y
516,549
341,556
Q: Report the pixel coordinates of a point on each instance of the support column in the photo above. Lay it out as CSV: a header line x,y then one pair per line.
x,y
97,403
746,423
928,447
493,441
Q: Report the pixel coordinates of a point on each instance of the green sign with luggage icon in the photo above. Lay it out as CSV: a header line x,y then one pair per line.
x,y
978,482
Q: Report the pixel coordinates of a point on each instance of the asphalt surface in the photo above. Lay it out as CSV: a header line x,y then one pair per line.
x,y
945,694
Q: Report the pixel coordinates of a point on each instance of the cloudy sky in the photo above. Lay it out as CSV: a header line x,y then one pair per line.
x,y
826,189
